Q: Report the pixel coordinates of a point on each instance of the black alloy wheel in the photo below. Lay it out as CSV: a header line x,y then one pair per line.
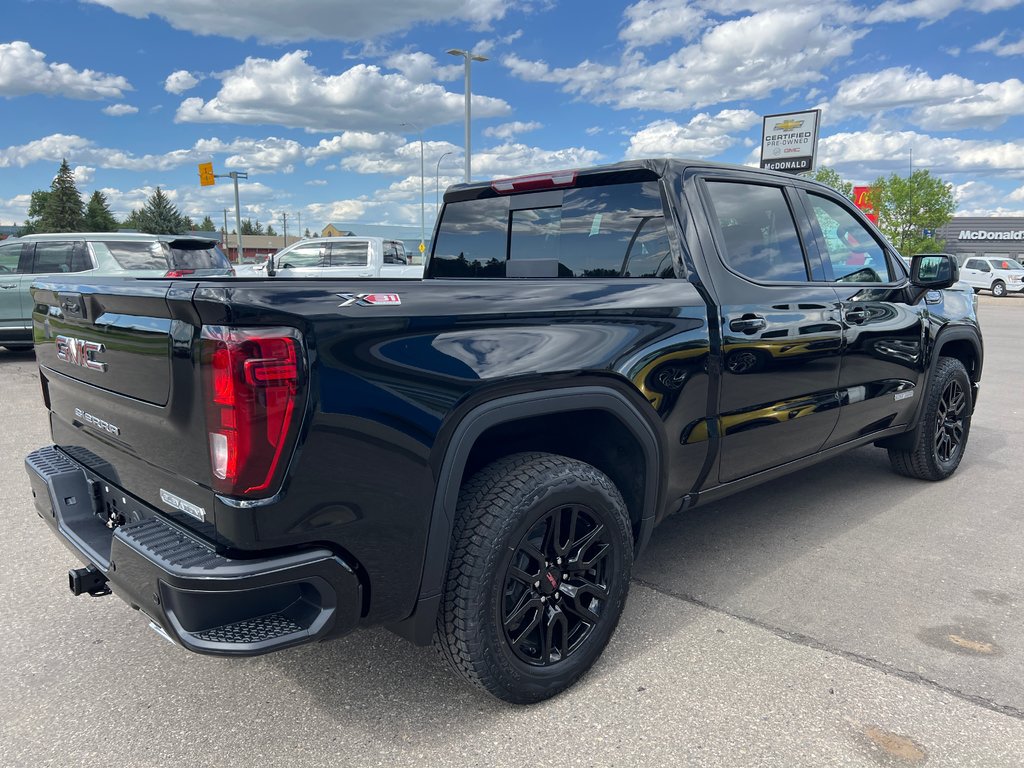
x,y
541,557
949,421
556,585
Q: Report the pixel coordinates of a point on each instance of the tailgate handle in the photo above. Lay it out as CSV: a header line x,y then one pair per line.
x,y
72,304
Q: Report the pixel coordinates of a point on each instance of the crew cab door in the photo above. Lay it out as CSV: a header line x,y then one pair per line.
x,y
779,322
352,258
977,273
883,357
307,260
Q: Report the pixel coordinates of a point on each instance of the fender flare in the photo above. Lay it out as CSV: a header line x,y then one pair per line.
x,y
419,626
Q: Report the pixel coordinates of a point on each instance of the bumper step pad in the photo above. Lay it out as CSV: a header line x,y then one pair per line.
x,y
251,630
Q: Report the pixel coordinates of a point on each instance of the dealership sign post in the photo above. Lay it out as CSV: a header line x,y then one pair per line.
x,y
789,142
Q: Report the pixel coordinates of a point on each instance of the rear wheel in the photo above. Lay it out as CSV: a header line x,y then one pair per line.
x,y
944,428
999,288
539,573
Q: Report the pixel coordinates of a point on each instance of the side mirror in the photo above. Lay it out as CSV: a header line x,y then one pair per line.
x,y
271,271
932,272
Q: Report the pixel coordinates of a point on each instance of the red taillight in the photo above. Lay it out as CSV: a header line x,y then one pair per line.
x,y
179,272
537,181
253,382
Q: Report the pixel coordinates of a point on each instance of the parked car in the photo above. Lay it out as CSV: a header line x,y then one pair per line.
x,y
32,257
477,458
340,257
999,274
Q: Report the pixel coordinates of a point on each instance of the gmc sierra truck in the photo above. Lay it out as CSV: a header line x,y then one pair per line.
x,y
475,459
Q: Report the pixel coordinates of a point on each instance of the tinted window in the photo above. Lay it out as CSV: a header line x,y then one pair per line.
x,y
605,231
303,256
195,254
134,255
393,253
9,255
1004,262
354,254
472,239
855,255
976,264
52,257
758,232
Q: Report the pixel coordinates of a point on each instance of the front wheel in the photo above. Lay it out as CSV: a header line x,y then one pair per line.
x,y
999,289
540,567
944,427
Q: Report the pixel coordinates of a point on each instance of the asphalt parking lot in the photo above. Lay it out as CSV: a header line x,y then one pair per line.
x,y
842,616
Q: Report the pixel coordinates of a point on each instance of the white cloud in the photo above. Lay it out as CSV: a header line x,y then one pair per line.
x,y
119,110
274,21
180,81
290,92
874,153
746,58
999,48
932,10
949,102
15,209
24,70
508,130
518,159
317,183
703,136
83,174
421,67
654,21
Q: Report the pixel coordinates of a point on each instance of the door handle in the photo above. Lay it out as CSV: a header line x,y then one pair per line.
x,y
9,285
856,316
748,324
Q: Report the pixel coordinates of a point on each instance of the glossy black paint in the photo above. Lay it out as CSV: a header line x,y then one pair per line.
x,y
736,381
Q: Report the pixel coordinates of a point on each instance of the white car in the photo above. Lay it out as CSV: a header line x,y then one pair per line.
x,y
999,274
341,257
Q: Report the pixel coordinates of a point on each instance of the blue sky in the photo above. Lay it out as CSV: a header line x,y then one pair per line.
x,y
310,96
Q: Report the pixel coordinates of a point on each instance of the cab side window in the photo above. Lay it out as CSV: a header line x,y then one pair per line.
x,y
855,255
758,234
392,254
9,256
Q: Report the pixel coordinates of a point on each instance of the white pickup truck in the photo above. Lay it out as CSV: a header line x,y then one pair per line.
x,y
340,257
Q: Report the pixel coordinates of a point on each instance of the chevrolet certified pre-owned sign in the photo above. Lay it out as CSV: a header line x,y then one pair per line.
x,y
985,234
789,142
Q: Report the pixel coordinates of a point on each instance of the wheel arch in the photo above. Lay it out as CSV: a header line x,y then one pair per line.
x,y
496,428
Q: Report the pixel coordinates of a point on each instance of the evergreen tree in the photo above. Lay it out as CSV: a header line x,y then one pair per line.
x,y
207,225
270,230
98,217
64,211
35,212
250,228
160,216
133,221
307,233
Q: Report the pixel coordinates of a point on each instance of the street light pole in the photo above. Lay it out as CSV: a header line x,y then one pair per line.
x,y
469,56
235,176
437,185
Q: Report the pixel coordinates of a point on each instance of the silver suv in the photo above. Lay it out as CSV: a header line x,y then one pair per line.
x,y
23,260
999,274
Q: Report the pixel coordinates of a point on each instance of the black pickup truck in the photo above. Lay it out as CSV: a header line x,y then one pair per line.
x,y
476,458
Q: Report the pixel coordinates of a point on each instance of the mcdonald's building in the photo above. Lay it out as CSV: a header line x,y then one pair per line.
x,y
968,236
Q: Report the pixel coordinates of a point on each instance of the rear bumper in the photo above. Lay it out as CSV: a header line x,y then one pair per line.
x,y
205,601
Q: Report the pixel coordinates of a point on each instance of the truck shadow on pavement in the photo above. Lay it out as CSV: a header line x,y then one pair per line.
x,y
703,557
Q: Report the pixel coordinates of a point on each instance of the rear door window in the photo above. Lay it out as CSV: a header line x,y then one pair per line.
x,y
133,256
759,239
354,254
53,257
10,254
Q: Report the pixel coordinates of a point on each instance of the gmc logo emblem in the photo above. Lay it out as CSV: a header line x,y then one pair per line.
x,y
79,352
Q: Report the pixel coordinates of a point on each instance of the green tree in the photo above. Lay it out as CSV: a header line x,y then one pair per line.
x,y
307,233
35,211
910,210
270,230
159,216
831,176
250,228
64,211
98,217
207,225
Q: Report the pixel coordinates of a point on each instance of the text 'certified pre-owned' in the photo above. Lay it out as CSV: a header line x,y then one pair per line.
x,y
80,352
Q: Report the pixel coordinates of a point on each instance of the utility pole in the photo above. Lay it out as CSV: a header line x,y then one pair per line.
x,y
299,217
225,228
284,215
235,176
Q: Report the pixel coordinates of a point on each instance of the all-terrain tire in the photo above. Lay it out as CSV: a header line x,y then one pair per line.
x,y
515,519
944,428
999,289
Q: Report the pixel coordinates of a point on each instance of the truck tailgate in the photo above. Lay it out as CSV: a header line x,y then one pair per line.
x,y
121,381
